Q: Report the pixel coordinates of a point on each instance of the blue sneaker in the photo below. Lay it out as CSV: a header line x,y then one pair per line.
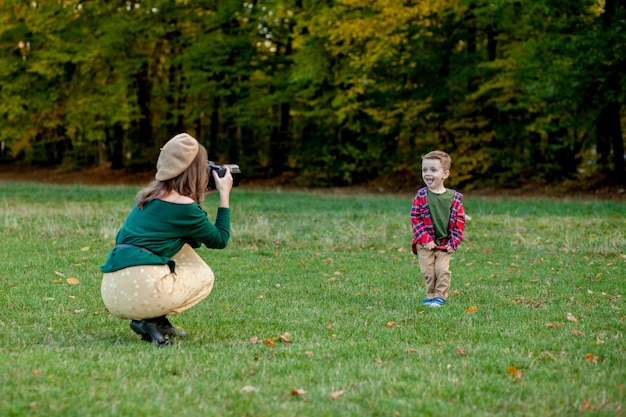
x,y
437,302
427,301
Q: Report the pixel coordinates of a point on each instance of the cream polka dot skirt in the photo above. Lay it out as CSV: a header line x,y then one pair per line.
x,y
146,291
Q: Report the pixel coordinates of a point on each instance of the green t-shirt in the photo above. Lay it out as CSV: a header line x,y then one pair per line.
x,y
163,228
439,205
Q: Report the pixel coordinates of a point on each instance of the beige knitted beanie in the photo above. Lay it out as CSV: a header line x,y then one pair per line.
x,y
176,156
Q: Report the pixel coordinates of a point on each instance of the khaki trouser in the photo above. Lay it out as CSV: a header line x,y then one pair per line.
x,y
147,291
435,268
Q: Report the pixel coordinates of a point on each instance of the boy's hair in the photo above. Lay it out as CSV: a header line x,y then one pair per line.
x,y
441,156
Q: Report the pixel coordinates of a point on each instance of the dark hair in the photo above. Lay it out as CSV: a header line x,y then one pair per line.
x,y
192,182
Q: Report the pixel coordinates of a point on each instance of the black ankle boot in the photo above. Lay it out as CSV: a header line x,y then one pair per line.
x,y
165,327
149,332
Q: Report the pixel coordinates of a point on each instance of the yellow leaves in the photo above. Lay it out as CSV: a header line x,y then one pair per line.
x,y
471,309
297,392
390,324
71,280
271,341
571,317
515,373
590,357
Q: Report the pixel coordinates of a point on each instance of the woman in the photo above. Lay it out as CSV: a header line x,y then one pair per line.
x,y
153,271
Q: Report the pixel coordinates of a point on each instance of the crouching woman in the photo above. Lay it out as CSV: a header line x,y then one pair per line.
x,y
154,270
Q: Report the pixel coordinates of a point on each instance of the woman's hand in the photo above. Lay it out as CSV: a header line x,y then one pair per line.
x,y
224,185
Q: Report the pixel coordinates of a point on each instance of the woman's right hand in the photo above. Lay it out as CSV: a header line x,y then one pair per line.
x,y
223,185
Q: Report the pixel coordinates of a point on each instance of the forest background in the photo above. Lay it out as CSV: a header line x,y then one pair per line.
x,y
321,92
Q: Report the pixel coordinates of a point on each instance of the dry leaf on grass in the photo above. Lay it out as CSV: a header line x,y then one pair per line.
x,y
460,351
248,388
72,281
390,324
553,325
298,392
584,405
590,357
471,309
285,337
270,341
336,394
514,372
577,333
571,317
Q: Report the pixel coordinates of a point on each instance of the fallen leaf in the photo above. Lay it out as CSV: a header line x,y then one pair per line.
x,y
390,324
61,274
57,281
410,350
336,394
309,353
553,325
455,292
82,310
85,249
72,281
471,309
270,341
248,388
590,357
460,351
584,405
298,392
285,337
571,317
254,340
514,372
577,333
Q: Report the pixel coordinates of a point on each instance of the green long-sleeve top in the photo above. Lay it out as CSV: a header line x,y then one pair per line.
x,y
158,231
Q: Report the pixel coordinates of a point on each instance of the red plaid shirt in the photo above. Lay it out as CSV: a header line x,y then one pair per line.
x,y
423,229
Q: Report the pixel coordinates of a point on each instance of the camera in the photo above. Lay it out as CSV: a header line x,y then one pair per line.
x,y
221,171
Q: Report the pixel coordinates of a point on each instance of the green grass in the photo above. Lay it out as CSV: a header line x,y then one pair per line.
x,y
336,273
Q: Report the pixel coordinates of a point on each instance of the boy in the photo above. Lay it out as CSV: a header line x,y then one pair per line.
x,y
438,221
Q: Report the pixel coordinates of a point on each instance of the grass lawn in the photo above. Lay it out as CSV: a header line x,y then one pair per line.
x,y
316,311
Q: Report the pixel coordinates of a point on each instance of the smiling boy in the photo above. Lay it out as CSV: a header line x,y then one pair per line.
x,y
438,221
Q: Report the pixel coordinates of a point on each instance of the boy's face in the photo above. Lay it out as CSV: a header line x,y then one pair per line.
x,y
434,175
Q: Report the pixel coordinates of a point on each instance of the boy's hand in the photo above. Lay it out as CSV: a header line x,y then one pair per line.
x,y
429,245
